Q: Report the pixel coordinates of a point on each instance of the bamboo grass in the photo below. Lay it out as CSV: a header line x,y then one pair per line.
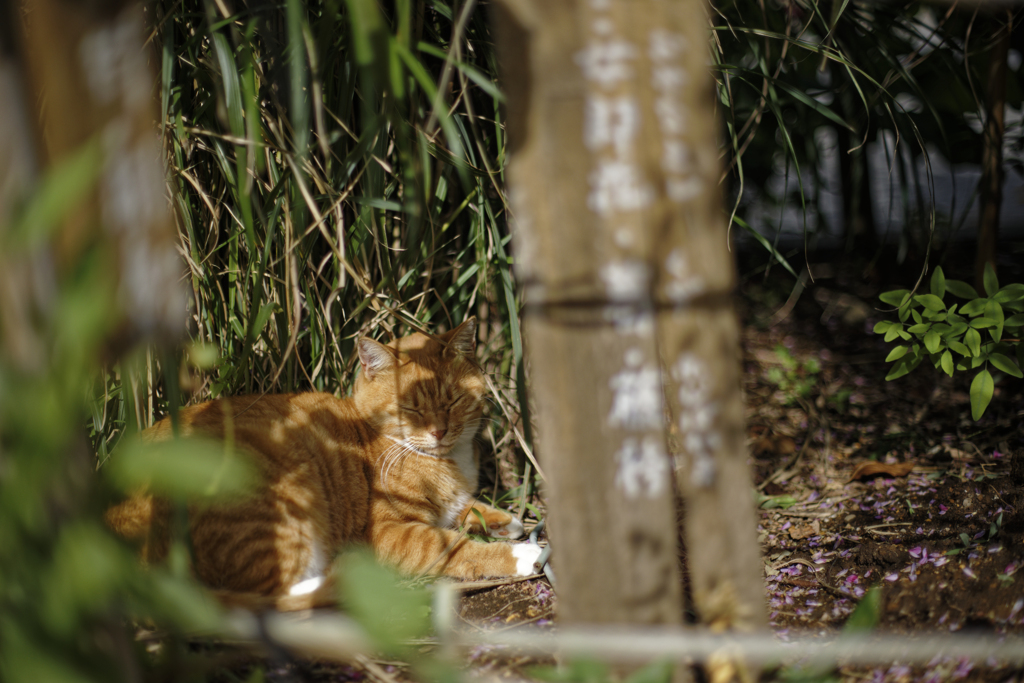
x,y
336,172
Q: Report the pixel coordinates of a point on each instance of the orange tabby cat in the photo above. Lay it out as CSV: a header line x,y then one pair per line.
x,y
393,467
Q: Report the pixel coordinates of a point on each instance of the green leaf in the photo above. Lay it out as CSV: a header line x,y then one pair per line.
x,y
981,393
263,316
1012,292
655,672
904,313
932,340
203,356
1014,320
1005,364
959,348
956,329
947,362
26,661
232,86
990,281
882,325
897,353
974,307
905,364
982,323
768,246
994,312
368,32
184,468
973,340
866,615
930,301
62,188
391,613
583,670
87,568
895,297
784,501
812,103
916,316
920,328
185,602
961,289
479,518
893,331
482,80
938,283
425,81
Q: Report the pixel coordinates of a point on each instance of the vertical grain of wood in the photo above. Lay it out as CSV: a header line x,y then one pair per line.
x,y
621,250
87,67
698,333
577,85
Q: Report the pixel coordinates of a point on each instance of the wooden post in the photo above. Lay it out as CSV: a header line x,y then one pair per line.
x,y
622,255
86,66
18,338
582,204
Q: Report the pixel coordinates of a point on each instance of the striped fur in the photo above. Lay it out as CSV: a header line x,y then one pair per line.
x,y
393,467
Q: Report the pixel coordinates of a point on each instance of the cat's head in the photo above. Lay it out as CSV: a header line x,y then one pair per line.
x,y
423,392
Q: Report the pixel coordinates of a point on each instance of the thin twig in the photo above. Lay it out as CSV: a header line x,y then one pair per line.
x,y
470,586
374,670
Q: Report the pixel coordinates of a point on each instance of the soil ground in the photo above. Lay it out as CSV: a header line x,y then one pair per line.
x,y
942,541
940,533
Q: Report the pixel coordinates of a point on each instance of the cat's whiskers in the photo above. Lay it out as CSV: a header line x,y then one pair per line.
x,y
405,444
390,457
394,454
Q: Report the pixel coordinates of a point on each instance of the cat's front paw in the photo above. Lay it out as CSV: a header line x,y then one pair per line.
x,y
509,530
526,555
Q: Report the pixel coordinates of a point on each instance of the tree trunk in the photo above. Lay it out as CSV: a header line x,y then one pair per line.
x,y
991,194
622,255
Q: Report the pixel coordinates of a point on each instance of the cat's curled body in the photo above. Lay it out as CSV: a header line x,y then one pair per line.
x,y
393,467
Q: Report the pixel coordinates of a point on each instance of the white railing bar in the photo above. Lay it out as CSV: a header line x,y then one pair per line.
x,y
335,636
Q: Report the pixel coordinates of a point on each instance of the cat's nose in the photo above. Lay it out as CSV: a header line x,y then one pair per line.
x,y
438,433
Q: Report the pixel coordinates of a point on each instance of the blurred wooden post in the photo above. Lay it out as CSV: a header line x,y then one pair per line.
x,y
622,254
86,68
18,172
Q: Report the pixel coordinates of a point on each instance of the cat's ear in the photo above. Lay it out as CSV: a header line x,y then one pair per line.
x,y
374,357
462,340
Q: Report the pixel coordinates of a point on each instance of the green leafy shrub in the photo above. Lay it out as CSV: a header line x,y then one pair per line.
x,y
985,331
